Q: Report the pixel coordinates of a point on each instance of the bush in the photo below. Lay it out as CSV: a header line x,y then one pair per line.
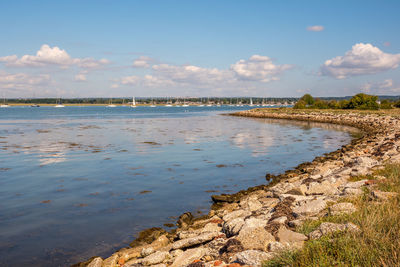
x,y
386,104
397,104
363,101
300,105
320,104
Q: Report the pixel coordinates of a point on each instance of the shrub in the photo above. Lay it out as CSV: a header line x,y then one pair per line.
x,y
386,104
301,104
397,104
320,104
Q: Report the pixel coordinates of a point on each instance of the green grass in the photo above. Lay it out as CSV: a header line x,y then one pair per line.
x,y
378,243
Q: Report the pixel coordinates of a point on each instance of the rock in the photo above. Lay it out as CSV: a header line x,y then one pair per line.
x,y
233,227
341,208
327,228
176,253
155,258
252,257
254,238
147,236
189,256
110,261
200,239
380,195
210,227
236,214
280,220
352,191
357,184
254,222
311,207
146,251
278,246
96,262
323,188
286,235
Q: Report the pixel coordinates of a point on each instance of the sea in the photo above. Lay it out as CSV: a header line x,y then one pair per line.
x,y
83,181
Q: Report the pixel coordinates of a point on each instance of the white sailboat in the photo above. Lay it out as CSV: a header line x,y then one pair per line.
x,y
111,105
184,103
208,102
251,102
4,105
58,104
168,103
152,104
133,102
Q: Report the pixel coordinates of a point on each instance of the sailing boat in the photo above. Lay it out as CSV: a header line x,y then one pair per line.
x,y
152,103
201,102
133,102
58,104
111,105
184,103
4,105
251,102
168,103
208,102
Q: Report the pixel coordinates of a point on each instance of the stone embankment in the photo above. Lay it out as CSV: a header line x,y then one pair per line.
x,y
251,226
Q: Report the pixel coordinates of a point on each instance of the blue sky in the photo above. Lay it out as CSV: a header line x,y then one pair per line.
x,y
199,48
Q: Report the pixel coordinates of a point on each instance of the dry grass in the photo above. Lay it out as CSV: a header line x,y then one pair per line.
x,y
378,244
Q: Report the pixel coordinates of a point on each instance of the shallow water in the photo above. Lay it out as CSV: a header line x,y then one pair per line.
x,y
82,181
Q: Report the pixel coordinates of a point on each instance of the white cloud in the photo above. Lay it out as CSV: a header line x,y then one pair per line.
x,y
315,28
22,81
388,86
80,77
51,56
142,62
258,68
361,59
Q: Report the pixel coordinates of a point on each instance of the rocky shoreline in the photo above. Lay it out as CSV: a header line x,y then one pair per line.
x,y
253,225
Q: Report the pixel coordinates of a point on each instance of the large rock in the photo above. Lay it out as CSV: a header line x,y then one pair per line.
x,y
311,207
96,262
155,258
236,214
342,208
200,239
252,257
255,238
288,236
380,195
110,261
323,188
233,227
327,228
210,227
189,256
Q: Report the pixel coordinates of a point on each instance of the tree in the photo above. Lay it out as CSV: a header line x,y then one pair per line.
x,y
308,99
363,101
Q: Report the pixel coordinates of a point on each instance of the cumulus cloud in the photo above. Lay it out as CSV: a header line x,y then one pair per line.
x,y
315,28
23,81
142,62
388,86
360,60
258,68
47,55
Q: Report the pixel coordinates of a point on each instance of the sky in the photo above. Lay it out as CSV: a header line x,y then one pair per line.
x,y
203,48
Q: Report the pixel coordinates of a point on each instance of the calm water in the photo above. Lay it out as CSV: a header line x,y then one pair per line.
x,y
82,181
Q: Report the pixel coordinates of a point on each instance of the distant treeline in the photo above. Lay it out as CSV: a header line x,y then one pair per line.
x,y
359,101
155,100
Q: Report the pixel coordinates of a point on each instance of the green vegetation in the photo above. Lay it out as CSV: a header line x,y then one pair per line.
x,y
360,101
378,244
